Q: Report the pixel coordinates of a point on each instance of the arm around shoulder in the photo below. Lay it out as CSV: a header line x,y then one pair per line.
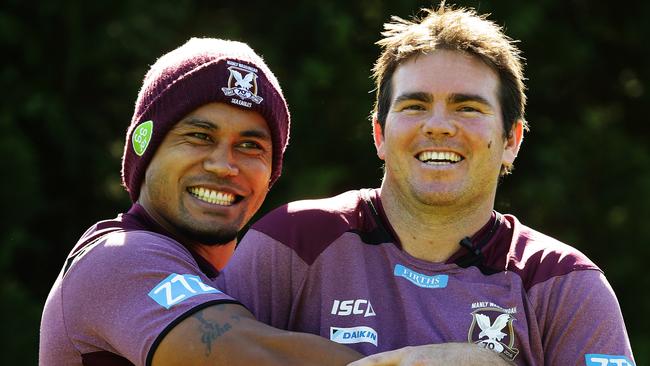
x,y
228,334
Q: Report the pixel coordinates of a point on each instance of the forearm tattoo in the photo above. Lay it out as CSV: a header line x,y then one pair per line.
x,y
211,330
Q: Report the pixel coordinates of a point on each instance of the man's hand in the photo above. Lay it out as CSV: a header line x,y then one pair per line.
x,y
458,354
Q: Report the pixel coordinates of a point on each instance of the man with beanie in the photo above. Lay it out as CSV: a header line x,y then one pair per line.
x,y
204,146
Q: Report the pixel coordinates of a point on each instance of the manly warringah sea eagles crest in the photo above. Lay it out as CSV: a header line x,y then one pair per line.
x,y
242,82
492,328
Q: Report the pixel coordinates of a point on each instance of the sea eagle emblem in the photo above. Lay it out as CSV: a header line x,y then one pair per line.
x,y
494,331
497,335
242,83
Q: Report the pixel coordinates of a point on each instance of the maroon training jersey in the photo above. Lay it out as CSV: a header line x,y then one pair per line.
x,y
331,267
123,287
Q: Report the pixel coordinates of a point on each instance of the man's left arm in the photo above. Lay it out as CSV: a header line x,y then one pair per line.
x,y
580,320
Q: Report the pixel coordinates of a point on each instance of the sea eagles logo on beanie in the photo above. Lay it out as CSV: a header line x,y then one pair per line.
x,y
141,137
242,83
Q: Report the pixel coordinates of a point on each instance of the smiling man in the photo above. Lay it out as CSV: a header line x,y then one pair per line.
x,y
425,259
205,144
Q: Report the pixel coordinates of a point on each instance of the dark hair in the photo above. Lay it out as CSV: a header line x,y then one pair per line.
x,y
458,30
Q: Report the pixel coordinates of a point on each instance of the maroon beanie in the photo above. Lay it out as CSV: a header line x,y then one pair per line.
x,y
201,71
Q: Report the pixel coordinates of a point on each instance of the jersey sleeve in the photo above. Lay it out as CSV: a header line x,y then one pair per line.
x,y
263,275
581,321
127,291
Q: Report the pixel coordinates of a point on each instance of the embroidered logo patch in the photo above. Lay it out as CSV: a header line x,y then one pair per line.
x,y
242,84
594,359
492,328
177,288
141,137
353,335
419,279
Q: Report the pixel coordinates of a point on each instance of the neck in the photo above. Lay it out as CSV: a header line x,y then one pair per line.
x,y
432,232
216,255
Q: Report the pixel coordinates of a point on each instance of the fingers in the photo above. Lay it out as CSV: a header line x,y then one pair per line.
x,y
390,358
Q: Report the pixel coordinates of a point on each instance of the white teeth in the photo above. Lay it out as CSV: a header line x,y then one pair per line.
x,y
214,197
439,157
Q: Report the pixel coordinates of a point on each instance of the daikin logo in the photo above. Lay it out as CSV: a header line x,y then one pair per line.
x,y
419,279
353,335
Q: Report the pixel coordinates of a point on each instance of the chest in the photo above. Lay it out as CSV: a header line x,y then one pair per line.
x,y
382,304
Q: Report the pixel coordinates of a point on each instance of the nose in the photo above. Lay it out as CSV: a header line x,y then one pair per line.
x,y
221,162
439,124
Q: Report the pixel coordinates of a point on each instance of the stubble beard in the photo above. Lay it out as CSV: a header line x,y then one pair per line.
x,y
208,234
182,223
422,193
221,236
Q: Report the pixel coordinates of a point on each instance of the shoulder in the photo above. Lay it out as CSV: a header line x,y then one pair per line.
x,y
328,215
309,226
140,242
123,268
128,254
537,257
124,291
564,307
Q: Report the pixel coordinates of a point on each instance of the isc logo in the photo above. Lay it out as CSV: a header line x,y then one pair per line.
x,y
355,307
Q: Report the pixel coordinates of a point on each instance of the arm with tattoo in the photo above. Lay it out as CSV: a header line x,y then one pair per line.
x,y
228,334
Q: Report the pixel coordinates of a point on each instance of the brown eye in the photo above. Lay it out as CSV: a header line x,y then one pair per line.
x,y
250,145
200,136
414,107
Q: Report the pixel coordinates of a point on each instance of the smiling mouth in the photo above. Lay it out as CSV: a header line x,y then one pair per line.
x,y
214,197
439,157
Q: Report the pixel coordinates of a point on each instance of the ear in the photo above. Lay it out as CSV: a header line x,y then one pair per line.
x,y
513,143
378,136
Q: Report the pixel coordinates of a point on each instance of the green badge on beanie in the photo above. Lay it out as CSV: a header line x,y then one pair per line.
x,y
141,137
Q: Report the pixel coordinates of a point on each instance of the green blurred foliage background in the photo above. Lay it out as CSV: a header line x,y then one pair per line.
x,y
71,71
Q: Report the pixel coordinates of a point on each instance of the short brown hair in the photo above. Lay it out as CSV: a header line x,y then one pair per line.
x,y
458,30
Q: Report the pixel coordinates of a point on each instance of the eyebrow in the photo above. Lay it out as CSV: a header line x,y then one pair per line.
x,y
460,98
208,125
419,96
453,98
260,134
201,123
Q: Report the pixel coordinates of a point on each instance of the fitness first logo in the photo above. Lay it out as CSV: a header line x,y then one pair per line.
x,y
242,84
492,328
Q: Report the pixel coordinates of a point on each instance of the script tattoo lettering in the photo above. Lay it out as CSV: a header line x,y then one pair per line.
x,y
210,331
